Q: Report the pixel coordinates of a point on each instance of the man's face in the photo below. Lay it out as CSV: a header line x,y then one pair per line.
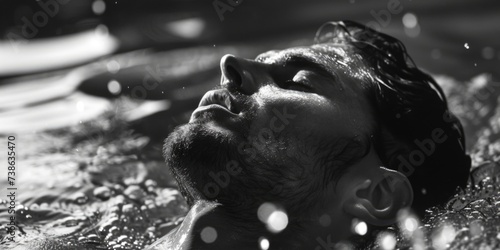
x,y
276,129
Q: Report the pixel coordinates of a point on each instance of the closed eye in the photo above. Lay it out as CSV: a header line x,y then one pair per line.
x,y
297,86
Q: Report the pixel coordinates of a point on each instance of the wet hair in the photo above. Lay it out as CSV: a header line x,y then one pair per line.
x,y
417,134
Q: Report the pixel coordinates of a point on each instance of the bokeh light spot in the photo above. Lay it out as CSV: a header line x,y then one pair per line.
x,y
98,7
274,217
413,32
443,236
360,227
208,234
386,241
114,87
411,224
278,220
410,20
325,220
113,66
264,243
488,53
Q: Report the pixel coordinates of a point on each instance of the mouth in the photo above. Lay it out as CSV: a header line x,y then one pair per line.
x,y
221,98
219,101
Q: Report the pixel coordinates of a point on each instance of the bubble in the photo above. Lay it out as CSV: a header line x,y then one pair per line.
x,y
98,7
134,192
208,234
410,20
466,45
80,198
263,243
386,241
92,237
122,238
102,193
150,183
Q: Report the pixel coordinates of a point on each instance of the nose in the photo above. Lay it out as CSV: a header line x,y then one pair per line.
x,y
240,74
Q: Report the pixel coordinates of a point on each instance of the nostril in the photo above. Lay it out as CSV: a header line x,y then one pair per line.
x,y
234,75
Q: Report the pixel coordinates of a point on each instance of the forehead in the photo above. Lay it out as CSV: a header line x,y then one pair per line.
x,y
328,56
342,61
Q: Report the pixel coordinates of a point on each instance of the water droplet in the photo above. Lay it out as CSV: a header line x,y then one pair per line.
x,y
80,198
102,193
122,238
134,192
150,183
93,237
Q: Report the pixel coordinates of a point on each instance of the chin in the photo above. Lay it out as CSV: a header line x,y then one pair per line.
x,y
194,150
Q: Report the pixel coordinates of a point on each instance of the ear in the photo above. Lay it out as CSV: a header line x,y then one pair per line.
x,y
378,198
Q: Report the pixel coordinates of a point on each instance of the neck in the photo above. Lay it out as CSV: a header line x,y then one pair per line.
x,y
206,217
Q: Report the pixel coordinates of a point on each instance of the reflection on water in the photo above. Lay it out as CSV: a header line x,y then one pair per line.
x,y
108,189
96,179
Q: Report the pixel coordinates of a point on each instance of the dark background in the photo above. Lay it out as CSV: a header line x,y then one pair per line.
x,y
445,26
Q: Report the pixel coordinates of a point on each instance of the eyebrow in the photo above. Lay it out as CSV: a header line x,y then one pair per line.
x,y
308,63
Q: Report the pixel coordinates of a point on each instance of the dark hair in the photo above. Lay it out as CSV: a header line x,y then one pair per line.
x,y
417,134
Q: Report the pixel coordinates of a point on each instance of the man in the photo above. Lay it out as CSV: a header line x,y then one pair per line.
x,y
297,144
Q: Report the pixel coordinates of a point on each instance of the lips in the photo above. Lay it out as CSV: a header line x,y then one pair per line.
x,y
221,98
